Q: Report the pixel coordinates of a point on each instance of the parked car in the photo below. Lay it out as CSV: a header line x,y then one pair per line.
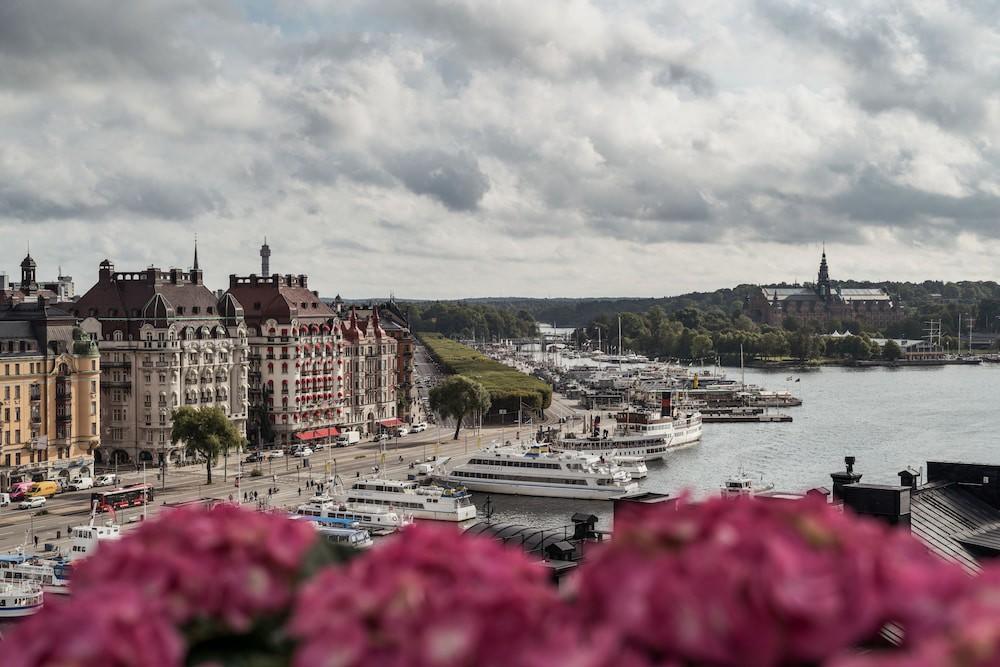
x,y
418,427
302,452
381,437
109,479
254,458
31,503
274,454
81,483
401,431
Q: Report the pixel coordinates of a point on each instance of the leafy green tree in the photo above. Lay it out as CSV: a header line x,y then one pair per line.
x,y
458,396
803,345
206,431
701,346
891,351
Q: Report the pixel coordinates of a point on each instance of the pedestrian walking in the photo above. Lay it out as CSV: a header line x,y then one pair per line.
x,y
36,541
300,491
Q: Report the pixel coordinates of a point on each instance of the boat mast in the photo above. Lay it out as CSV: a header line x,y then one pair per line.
x,y
743,372
620,353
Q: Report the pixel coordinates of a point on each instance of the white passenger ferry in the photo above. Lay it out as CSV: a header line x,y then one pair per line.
x,y
339,531
379,519
52,573
19,599
535,470
637,433
422,501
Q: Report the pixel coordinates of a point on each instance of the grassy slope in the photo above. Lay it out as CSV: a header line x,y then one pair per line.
x,y
505,384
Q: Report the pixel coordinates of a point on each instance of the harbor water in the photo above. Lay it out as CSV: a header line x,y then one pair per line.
x,y
888,418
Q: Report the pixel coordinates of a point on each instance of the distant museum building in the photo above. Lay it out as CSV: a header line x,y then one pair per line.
x,y
824,302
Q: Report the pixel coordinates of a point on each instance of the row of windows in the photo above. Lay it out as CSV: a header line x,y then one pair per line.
x,y
387,503
520,478
511,463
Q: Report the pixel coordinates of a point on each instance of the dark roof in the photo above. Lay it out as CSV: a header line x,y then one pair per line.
x,y
949,520
985,541
281,298
123,300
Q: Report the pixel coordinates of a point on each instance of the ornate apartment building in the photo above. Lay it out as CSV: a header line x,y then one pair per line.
x,y
49,389
313,372
165,341
298,380
823,302
397,326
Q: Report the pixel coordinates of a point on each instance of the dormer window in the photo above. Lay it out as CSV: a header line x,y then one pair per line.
x,y
209,310
194,310
180,310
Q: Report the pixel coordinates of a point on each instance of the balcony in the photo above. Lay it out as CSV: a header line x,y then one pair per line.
x,y
63,418
116,364
117,384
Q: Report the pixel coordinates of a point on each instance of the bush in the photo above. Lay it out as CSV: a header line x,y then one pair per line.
x,y
256,472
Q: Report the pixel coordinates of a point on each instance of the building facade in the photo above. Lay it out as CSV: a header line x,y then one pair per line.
x,y
298,387
824,302
165,341
370,354
397,326
49,389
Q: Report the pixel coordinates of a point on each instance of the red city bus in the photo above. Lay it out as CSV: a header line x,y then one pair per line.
x,y
127,496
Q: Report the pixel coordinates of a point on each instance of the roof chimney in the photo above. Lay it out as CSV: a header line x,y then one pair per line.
x,y
842,479
886,503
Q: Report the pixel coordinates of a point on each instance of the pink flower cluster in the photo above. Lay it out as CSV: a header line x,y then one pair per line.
x,y
430,598
226,564
725,582
108,626
967,634
743,582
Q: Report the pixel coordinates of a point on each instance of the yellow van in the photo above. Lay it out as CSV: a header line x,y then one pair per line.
x,y
44,489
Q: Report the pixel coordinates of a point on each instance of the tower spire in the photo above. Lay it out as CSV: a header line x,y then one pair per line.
x,y
195,267
265,259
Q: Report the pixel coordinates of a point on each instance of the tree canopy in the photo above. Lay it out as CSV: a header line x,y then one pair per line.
x,y
458,396
206,431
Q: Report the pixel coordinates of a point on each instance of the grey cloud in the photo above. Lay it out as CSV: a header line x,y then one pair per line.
x,y
69,41
113,197
899,59
454,179
677,74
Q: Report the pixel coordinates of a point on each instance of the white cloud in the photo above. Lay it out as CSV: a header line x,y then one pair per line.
x,y
468,147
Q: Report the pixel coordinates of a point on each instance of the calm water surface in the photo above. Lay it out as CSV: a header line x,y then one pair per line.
x,y
887,418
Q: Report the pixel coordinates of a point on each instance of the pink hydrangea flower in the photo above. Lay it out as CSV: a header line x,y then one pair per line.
x,y
226,564
108,626
742,582
966,632
432,597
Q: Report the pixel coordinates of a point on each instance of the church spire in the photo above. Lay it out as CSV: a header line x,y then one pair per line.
x,y
823,279
195,267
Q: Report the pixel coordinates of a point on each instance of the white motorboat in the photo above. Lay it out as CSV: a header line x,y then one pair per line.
x,y
19,599
339,531
422,501
741,485
635,466
535,470
86,539
380,519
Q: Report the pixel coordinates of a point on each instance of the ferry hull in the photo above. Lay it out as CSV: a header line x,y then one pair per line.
x,y
19,612
541,491
454,517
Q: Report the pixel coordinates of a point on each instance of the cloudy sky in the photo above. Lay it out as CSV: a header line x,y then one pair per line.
x,y
449,148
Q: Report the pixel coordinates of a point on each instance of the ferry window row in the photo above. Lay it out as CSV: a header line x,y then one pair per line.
x,y
515,464
520,478
388,503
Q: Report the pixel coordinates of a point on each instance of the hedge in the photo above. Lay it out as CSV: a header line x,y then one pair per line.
x,y
506,385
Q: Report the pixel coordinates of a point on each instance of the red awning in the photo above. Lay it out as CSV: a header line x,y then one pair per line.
x,y
391,422
317,433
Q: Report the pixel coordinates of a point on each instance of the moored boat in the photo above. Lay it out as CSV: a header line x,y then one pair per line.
x,y
19,599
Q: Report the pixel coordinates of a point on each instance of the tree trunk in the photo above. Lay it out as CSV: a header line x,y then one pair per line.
x,y
208,468
458,425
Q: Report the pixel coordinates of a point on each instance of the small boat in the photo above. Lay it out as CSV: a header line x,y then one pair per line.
x,y
380,519
19,599
635,466
741,485
339,531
